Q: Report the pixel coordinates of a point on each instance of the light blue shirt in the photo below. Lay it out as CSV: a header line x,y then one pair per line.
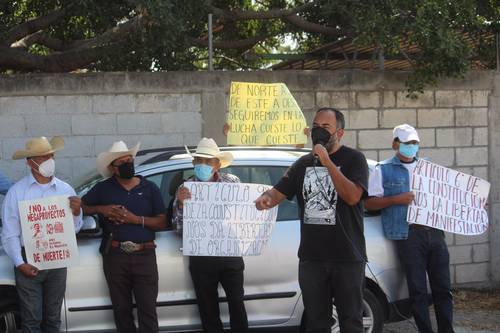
x,y
28,189
5,183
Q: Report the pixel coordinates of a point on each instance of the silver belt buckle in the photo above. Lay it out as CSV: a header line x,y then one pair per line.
x,y
129,247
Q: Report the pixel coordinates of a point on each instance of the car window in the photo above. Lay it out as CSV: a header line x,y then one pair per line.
x,y
169,181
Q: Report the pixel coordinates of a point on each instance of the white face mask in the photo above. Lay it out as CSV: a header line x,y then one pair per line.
x,y
47,168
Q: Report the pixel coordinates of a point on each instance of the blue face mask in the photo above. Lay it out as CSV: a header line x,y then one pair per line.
x,y
203,172
408,150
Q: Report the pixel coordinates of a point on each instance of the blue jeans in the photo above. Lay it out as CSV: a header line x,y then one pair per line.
x,y
321,282
40,300
425,251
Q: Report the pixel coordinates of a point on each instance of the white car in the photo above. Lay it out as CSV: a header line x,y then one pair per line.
x,y
272,293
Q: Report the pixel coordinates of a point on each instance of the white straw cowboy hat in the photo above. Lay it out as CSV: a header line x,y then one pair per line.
x,y
207,148
117,150
39,147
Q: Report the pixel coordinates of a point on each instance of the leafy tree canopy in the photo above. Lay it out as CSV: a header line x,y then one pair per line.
x,y
151,35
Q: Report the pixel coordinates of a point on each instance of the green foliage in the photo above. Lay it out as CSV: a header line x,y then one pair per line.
x,y
436,27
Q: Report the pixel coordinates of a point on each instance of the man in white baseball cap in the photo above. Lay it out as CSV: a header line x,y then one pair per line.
x,y
208,272
422,250
40,292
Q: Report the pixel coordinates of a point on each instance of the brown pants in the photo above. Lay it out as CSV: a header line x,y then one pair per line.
x,y
132,273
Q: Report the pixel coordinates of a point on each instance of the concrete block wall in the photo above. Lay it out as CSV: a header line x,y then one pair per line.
x,y
458,122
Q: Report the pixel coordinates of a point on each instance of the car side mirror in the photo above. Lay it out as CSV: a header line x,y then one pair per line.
x,y
89,227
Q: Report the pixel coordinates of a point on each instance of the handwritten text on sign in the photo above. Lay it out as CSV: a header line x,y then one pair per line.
x,y
264,114
448,200
221,220
48,232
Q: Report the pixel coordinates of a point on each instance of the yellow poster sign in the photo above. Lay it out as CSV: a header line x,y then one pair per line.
x,y
263,114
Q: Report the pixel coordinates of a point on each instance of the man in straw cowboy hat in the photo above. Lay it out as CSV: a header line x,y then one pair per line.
x,y
130,210
207,272
40,292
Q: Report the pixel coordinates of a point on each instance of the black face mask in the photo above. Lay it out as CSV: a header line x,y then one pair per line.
x,y
319,135
126,170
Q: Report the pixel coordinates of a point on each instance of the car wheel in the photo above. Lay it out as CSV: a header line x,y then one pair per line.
x,y
9,321
373,315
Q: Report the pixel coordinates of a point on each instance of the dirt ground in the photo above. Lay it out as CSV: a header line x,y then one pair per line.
x,y
474,311
477,309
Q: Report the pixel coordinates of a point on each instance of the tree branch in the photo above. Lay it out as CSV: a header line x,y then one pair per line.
x,y
11,58
41,38
32,26
240,44
313,27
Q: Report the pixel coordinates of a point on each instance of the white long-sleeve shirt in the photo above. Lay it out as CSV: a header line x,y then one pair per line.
x,y
28,189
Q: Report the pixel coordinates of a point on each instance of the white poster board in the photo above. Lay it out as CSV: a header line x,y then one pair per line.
x,y
221,220
48,232
449,200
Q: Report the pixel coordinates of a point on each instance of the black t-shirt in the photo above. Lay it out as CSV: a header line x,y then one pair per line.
x,y
329,227
143,200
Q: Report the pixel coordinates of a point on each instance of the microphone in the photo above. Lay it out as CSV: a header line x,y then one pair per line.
x,y
316,157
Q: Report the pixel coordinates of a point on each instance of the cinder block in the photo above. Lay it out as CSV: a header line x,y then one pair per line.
x,y
368,99
480,97
426,99
481,172
48,125
370,154
471,116
435,117
73,104
179,122
192,139
471,239
191,103
113,103
389,99
77,146
349,139
481,253
362,118
24,105
64,169
156,103
375,139
323,99
472,273
453,98
93,124
449,238
454,137
139,123
304,99
83,169
12,126
481,136
427,137
102,143
472,156
14,169
337,99
385,154
443,156
393,117
452,275
460,254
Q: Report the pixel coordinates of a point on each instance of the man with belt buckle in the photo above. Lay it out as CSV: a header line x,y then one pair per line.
x,y
422,250
130,210
208,272
40,292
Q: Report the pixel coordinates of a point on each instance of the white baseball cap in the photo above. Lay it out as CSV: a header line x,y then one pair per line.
x,y
405,133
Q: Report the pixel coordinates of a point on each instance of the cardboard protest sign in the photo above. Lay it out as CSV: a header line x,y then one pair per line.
x,y
221,220
48,232
264,114
448,200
